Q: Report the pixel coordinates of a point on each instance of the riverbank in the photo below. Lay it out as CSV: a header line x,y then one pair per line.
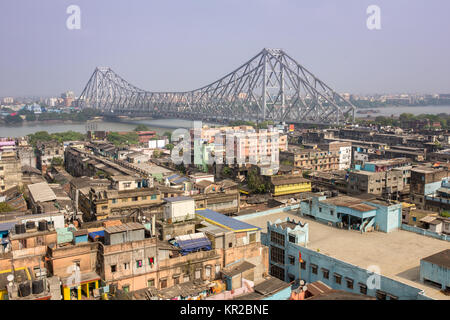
x,y
25,128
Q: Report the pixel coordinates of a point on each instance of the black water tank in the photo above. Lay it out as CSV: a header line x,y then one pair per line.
x,y
20,228
31,225
24,289
43,225
38,286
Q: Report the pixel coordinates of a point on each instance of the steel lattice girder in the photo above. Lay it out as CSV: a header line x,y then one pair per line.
x,y
270,86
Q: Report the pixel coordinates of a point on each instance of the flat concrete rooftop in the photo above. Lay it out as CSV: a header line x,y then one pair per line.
x,y
397,253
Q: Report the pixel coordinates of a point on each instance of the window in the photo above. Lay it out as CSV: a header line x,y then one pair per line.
x,y
113,268
277,272
277,255
114,200
151,261
138,263
151,283
320,209
291,259
104,207
134,199
252,237
126,266
217,269
22,243
314,268
332,212
124,200
277,238
208,271
153,197
362,288
176,279
325,273
337,278
163,283
126,288
198,273
303,265
349,283
292,238
230,244
144,197
381,295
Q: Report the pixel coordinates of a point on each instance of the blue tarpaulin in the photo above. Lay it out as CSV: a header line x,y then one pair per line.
x,y
94,235
192,243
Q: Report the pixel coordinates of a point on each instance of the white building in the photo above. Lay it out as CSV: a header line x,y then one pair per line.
x,y
179,209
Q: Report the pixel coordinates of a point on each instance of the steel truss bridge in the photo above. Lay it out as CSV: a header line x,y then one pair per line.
x,y
270,86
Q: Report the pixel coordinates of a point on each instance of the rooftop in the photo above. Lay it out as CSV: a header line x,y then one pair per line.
x,y
176,199
224,221
350,202
441,258
42,192
397,253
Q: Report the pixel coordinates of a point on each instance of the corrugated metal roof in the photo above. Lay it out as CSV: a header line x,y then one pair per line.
x,y
224,221
41,192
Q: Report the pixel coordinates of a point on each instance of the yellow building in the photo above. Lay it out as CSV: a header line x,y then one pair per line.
x,y
288,184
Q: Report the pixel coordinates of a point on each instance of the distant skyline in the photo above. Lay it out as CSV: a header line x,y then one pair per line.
x,y
186,44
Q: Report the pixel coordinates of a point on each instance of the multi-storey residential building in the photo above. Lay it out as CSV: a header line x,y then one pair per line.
x,y
46,152
388,184
312,159
425,181
343,150
247,143
98,203
10,170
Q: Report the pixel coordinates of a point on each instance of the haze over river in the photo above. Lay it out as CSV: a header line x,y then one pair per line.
x,y
162,125
396,111
158,125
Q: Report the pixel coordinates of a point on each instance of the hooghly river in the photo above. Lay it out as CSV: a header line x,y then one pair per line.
x,y
396,111
158,125
162,125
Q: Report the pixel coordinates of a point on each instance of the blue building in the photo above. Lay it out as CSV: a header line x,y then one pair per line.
x,y
435,269
284,239
354,213
281,233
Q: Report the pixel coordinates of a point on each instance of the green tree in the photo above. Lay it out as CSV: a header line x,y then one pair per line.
x,y
169,146
256,182
142,127
57,162
30,117
4,207
168,134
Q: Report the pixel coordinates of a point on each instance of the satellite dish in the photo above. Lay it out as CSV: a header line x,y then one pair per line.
x,y
10,277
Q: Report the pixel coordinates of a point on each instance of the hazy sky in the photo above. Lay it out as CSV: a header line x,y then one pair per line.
x,y
184,44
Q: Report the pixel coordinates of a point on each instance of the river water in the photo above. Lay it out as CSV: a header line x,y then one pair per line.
x,y
162,125
158,125
396,111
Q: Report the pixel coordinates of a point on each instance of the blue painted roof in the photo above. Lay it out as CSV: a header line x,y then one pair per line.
x,y
225,221
173,176
180,180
